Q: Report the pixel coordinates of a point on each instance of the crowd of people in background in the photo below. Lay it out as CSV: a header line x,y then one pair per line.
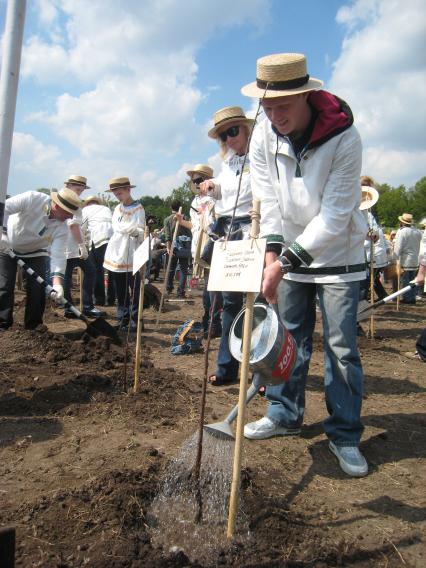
x,y
303,163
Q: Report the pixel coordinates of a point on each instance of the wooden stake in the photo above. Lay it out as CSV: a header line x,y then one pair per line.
x,y
139,324
398,277
372,288
239,436
163,293
80,280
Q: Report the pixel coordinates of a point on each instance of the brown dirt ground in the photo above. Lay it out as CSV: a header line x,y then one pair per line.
x,y
81,456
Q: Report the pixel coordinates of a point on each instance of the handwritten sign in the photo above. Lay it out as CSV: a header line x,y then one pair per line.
x,y
237,266
141,255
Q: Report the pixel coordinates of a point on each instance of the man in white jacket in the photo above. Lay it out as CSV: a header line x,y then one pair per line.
x,y
305,165
407,247
34,229
77,255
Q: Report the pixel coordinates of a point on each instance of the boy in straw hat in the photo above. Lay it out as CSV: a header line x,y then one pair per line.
x,y
407,246
78,256
35,230
305,166
128,223
369,198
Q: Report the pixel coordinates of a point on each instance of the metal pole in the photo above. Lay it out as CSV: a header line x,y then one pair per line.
x,y
11,61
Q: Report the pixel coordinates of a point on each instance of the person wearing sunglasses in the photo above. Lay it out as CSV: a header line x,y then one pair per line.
x,y
202,217
232,192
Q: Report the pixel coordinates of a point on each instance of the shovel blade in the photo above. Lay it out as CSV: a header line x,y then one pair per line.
x,y
220,430
99,326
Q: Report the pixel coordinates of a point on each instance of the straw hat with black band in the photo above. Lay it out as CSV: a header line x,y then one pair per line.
x,y
119,183
66,199
369,197
77,180
406,219
92,199
201,169
226,117
280,75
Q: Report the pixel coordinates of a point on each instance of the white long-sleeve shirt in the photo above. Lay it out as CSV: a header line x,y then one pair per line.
x,y
226,187
407,245
31,232
126,220
97,220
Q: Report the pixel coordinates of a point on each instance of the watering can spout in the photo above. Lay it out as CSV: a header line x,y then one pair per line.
x,y
223,429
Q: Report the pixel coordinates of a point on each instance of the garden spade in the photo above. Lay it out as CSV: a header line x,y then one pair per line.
x,y
94,328
363,312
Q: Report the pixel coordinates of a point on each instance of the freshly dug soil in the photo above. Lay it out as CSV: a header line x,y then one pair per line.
x,y
82,457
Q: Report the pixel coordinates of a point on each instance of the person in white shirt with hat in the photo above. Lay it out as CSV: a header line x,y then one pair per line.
x,y
35,230
128,223
407,247
305,160
77,256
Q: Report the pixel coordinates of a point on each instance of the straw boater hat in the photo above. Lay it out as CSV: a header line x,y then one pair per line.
x,y
280,75
406,218
67,200
369,197
78,180
119,183
91,199
201,169
227,117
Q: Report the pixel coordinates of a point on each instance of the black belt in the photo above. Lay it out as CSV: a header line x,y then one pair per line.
x,y
329,270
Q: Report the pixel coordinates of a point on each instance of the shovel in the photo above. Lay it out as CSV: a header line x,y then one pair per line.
x,y
94,328
363,313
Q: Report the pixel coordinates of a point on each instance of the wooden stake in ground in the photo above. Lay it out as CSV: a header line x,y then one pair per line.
x,y
197,466
80,274
163,293
398,279
139,325
372,288
248,324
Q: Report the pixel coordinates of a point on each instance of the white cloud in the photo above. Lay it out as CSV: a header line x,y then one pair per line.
x,y
126,77
381,73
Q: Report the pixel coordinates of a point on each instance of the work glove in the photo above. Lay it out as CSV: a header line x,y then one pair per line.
x,y
57,294
4,243
83,252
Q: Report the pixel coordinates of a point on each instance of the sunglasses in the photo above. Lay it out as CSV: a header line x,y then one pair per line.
x,y
197,181
232,132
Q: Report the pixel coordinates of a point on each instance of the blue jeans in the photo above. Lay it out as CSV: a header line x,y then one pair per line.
x,y
410,296
127,290
227,366
183,265
343,378
89,272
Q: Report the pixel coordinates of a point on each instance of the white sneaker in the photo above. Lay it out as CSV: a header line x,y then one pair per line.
x,y
350,459
266,428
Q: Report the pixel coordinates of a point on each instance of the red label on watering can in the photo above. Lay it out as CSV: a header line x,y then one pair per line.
x,y
286,359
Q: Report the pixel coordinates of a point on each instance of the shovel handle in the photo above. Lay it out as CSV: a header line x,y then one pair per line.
x,y
49,289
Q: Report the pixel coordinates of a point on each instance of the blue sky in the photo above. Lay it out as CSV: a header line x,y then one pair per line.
x,y
112,88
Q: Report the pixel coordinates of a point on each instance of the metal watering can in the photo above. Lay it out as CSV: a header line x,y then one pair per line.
x,y
273,349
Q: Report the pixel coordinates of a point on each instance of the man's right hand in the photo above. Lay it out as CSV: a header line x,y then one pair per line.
x,y
4,243
272,276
